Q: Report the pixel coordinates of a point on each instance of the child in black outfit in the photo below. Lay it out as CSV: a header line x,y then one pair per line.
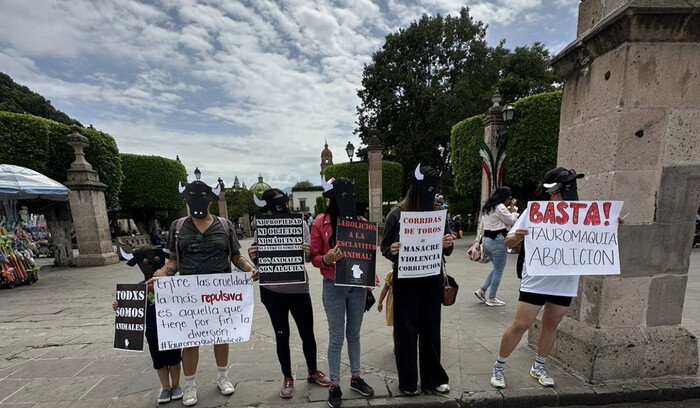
x,y
166,363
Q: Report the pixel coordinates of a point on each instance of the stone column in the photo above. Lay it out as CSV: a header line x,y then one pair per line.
x,y
223,208
374,156
493,122
88,206
629,121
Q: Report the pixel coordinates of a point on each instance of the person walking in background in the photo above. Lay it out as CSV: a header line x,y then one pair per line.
x,y
498,215
281,300
389,296
344,305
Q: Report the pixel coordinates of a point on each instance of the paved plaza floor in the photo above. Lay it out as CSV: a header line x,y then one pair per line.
x,y
56,351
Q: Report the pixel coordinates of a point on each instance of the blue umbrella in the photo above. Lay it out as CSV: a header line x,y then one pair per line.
x,y
19,183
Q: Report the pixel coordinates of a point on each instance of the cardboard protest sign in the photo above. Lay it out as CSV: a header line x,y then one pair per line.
x,y
421,243
280,257
357,241
197,310
130,320
572,238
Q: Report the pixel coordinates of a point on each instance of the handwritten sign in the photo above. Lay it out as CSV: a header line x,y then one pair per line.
x,y
572,238
197,310
280,257
421,243
357,241
130,320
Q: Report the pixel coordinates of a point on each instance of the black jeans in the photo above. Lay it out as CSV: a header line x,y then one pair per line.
x,y
417,304
278,306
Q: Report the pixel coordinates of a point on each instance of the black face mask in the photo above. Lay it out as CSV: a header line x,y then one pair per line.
x,y
569,192
279,202
198,196
344,196
148,260
428,186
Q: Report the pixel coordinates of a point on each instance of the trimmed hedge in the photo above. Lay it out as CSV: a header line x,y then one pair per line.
x,y
392,175
533,139
320,205
150,182
40,144
466,162
531,149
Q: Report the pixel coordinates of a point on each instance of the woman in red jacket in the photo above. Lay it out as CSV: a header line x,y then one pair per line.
x,y
343,304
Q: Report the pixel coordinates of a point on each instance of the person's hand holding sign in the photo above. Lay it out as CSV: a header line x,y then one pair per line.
x,y
253,252
395,248
332,255
304,247
447,241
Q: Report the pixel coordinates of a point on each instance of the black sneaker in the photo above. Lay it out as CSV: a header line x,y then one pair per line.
x,y
334,396
359,385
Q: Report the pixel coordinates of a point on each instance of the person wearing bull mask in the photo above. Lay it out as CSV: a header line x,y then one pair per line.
x,y
417,301
202,244
552,293
344,305
167,362
280,300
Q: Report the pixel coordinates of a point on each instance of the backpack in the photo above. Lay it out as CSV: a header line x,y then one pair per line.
x,y
181,221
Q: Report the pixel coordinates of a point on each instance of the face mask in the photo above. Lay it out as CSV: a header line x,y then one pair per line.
x,y
344,196
198,196
279,202
148,260
569,192
428,189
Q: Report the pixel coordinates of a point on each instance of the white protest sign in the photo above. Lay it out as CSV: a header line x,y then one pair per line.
x,y
197,310
572,238
421,235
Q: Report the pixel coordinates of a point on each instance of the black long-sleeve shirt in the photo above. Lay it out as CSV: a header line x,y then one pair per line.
x,y
391,235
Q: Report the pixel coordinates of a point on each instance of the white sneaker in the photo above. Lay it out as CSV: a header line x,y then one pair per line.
x,y
225,385
497,378
540,372
493,302
190,395
443,388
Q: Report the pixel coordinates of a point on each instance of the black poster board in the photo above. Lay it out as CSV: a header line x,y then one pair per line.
x,y
130,320
358,242
280,257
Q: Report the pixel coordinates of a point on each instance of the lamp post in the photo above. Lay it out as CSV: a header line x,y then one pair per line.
x,y
508,114
350,150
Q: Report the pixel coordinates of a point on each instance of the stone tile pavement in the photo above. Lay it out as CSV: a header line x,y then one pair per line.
x,y
56,351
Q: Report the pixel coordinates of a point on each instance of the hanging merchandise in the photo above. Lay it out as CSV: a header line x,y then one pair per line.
x,y
17,264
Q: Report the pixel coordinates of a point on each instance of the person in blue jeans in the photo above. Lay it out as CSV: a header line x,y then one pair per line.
x,y
345,305
498,216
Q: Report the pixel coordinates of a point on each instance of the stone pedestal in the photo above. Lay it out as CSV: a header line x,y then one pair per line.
x,y
223,208
374,156
89,209
629,121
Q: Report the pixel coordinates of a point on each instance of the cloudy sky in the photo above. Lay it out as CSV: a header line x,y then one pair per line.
x,y
236,87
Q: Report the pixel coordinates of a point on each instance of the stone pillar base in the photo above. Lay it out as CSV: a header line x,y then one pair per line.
x,y
96,259
600,355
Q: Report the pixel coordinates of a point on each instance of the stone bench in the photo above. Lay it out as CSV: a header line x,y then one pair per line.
x,y
129,243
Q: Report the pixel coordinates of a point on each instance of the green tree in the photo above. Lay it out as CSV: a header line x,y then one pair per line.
x,y
20,99
238,203
150,186
39,144
426,78
303,184
525,71
320,205
530,152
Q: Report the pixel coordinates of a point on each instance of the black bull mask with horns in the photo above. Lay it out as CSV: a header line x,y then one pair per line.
x,y
428,185
198,196
343,192
148,260
273,204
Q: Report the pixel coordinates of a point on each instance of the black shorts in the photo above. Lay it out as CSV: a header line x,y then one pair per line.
x,y
161,358
539,299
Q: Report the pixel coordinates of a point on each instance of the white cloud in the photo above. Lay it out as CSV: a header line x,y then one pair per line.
x,y
259,83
